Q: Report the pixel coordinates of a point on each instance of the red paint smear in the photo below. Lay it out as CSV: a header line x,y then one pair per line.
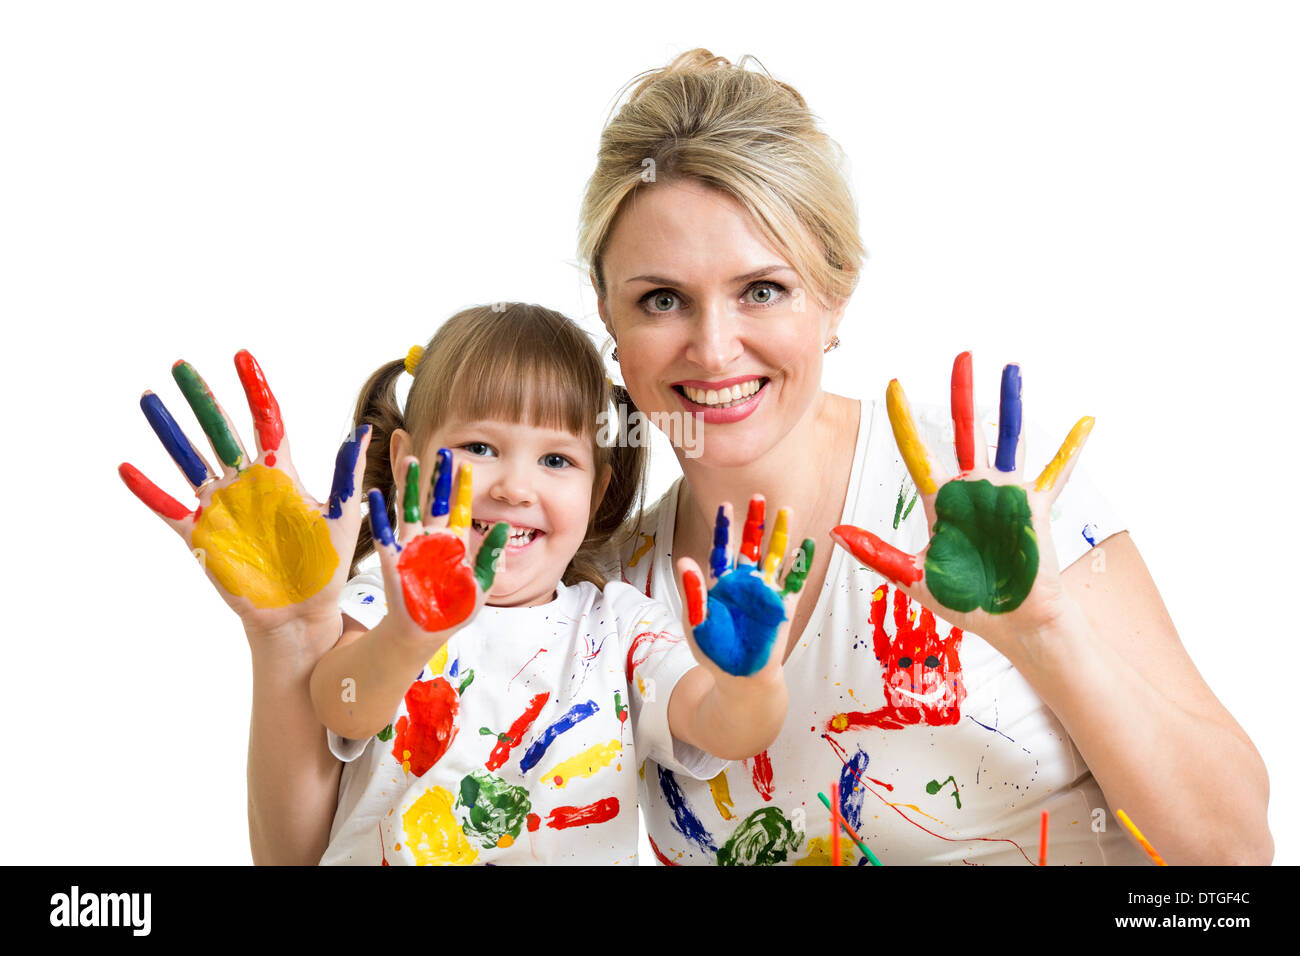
x,y
963,412
753,535
438,585
844,758
763,775
270,461
647,639
694,597
526,663
534,821
382,855
265,409
429,725
561,818
659,855
153,496
501,752
898,566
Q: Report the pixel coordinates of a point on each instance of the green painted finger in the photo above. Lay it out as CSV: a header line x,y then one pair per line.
x,y
485,565
411,500
208,412
803,559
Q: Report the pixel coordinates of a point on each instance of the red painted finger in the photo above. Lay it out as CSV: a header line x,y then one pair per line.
x,y
963,412
262,404
695,597
899,566
154,497
752,538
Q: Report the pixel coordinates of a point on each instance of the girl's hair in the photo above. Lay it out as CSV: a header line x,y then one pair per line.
x,y
516,363
744,133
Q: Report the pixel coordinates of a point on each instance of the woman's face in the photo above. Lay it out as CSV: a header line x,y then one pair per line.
x,y
710,319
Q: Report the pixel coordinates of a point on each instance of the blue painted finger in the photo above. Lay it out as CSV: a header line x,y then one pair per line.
x,y
442,483
721,533
380,529
173,439
345,467
1009,419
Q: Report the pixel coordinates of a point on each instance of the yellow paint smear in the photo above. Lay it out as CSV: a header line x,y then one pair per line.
x,y
1065,454
909,440
819,852
646,545
262,541
585,764
913,806
776,547
438,662
433,833
722,795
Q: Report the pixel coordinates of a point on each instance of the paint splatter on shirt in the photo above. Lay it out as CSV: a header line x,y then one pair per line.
x,y
888,699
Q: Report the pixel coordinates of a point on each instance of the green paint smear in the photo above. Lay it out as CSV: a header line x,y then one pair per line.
x,y
411,500
934,786
386,734
765,838
469,679
984,552
209,415
495,807
899,514
485,564
803,560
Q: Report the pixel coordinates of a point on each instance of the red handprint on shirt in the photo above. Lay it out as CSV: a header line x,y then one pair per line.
x,y
923,682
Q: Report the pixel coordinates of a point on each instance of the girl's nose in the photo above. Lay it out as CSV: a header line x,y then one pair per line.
x,y
715,343
511,484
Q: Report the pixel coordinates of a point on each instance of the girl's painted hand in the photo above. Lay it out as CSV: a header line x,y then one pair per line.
x,y
740,627
990,566
273,552
428,562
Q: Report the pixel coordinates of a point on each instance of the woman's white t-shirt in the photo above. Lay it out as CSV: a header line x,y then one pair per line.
x,y
520,740
958,773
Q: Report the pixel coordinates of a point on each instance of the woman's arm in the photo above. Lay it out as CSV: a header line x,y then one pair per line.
x,y
1157,740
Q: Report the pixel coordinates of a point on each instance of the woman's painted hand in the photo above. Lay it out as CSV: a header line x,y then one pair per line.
x,y
274,553
990,566
427,562
741,624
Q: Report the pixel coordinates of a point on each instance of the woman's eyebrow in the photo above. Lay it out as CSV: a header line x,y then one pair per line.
x,y
765,270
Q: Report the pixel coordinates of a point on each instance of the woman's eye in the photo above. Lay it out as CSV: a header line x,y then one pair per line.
x,y
660,300
763,293
556,461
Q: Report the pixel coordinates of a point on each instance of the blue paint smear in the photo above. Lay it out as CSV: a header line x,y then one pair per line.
x,y
455,666
1009,419
852,792
685,821
576,714
173,439
1090,535
380,529
718,556
368,599
345,463
744,616
442,483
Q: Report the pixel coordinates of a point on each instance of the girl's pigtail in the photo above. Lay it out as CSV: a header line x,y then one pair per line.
x,y
622,506
377,407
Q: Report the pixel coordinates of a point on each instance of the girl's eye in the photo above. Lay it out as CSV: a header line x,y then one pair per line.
x,y
477,448
556,461
764,293
659,300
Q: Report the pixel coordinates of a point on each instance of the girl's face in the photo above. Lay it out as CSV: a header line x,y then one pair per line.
x,y
541,482
698,302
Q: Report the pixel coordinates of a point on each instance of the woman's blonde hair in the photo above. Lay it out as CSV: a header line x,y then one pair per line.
x,y
516,363
744,133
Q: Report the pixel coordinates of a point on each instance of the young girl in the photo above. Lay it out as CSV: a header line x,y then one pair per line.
x,y
521,736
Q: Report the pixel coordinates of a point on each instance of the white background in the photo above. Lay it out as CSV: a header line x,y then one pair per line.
x,y
1104,192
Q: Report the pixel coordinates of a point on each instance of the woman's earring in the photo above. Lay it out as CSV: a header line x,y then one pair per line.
x,y
833,344
614,355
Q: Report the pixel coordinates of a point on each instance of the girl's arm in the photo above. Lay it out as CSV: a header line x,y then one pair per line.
x,y
734,704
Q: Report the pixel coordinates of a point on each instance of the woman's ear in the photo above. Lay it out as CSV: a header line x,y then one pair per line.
x,y
601,307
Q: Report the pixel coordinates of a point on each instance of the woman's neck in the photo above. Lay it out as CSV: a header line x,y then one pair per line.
x,y
794,473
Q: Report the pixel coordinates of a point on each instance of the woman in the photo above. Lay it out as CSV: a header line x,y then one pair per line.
x,y
722,244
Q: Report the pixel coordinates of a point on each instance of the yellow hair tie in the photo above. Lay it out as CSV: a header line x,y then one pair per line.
x,y
413,358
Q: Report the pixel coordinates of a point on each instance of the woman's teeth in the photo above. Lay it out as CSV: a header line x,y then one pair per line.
x,y
723,397
518,536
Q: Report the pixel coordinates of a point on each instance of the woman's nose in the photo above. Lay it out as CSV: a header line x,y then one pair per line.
x,y
715,343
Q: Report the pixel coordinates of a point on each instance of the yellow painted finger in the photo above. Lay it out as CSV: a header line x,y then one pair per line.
x,y
460,513
776,547
1065,454
909,441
